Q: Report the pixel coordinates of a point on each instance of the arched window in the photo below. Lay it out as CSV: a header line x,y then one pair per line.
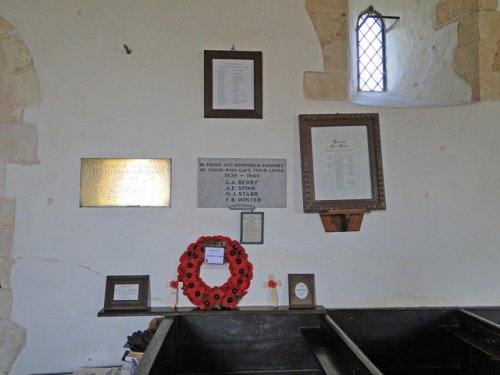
x,y
370,33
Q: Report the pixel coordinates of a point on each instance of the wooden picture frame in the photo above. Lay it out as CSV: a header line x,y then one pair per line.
x,y
232,84
341,161
252,228
301,291
127,292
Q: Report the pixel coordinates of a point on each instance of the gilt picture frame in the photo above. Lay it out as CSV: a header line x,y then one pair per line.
x,y
341,162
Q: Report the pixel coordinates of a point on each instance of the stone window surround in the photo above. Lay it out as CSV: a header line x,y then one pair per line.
x,y
476,58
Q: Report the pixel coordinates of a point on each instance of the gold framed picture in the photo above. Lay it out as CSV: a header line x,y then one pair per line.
x,y
341,162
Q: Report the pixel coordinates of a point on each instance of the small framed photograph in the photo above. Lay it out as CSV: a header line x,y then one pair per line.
x,y
127,292
233,84
301,291
252,228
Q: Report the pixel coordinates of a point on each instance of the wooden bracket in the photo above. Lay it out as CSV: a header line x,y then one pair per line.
x,y
342,221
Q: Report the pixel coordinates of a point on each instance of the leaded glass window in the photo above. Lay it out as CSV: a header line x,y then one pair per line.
x,y
371,51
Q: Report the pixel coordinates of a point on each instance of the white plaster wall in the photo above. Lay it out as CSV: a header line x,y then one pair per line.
x,y
419,58
437,244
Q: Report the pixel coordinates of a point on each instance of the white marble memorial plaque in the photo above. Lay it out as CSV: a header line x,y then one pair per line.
x,y
260,183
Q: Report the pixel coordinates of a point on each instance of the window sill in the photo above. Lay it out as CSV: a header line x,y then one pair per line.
x,y
387,99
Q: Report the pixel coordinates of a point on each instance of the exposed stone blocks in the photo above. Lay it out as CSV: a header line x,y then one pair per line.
x,y
490,86
19,90
325,85
5,306
330,20
13,340
489,24
7,214
467,58
5,27
468,29
5,266
448,11
496,59
19,84
18,143
489,54
16,53
476,58
7,217
466,64
334,59
327,6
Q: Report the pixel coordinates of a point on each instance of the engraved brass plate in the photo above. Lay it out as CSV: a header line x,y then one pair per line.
x,y
125,182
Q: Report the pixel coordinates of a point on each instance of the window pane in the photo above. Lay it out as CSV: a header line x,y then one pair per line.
x,y
371,54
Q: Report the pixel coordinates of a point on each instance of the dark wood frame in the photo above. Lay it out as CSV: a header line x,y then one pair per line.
x,y
371,121
296,303
142,303
243,214
209,111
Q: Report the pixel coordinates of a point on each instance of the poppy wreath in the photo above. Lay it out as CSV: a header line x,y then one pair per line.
x,y
232,291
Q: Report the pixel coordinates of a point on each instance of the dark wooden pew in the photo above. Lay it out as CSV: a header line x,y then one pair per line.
x,y
425,341
414,341
249,341
479,338
336,352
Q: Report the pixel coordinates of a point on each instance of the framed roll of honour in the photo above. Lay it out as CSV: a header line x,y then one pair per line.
x,y
233,84
341,162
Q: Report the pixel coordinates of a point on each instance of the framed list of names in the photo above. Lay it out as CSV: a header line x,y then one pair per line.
x,y
233,84
341,162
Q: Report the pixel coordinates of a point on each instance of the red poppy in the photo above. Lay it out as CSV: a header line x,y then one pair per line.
x,y
241,283
216,296
230,301
197,256
174,284
195,295
272,284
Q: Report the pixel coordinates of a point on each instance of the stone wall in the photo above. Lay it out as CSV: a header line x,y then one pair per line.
x,y
19,89
331,22
476,58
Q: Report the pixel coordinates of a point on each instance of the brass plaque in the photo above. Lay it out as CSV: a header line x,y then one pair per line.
x,y
125,182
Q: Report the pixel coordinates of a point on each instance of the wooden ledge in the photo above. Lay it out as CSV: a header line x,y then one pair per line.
x,y
342,221
168,311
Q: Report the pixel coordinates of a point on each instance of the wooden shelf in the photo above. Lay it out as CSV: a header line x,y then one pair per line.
x,y
162,311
